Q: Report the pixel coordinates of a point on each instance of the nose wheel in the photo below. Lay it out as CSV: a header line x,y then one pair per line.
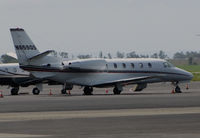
x,y
63,91
177,88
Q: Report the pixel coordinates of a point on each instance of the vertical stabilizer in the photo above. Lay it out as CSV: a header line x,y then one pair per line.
x,y
24,47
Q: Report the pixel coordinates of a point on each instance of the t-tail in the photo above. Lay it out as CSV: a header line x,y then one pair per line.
x,y
27,52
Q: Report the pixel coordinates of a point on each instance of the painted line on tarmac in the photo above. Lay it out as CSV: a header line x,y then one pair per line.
x,y
6,135
28,116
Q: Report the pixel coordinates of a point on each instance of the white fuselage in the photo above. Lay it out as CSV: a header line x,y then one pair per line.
x,y
92,72
12,70
97,72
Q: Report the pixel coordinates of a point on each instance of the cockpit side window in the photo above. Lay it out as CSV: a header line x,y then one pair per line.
x,y
167,65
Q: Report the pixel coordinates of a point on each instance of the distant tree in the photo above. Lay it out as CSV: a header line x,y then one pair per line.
x,y
144,56
120,55
109,56
179,55
8,59
100,54
190,60
132,55
63,54
155,55
188,54
193,54
162,55
84,56
54,53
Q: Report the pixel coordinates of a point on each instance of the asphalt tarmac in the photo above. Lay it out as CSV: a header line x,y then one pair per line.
x,y
153,113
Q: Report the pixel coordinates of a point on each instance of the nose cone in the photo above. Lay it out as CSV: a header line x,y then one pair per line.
x,y
187,76
190,76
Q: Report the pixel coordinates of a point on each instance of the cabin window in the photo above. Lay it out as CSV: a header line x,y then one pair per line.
x,y
132,65
149,65
165,64
6,69
124,65
140,65
48,65
115,65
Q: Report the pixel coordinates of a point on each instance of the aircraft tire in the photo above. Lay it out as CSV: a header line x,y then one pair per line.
x,y
14,91
116,91
178,89
63,91
88,90
36,91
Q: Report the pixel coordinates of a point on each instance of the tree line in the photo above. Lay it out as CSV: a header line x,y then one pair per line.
x,y
189,55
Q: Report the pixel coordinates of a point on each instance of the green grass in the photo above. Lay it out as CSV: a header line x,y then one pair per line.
x,y
190,68
194,69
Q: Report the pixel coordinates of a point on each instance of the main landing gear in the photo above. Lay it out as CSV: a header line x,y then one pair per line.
x,y
66,87
36,91
14,91
63,91
88,90
116,91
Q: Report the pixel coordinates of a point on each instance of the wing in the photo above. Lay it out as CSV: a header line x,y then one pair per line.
x,y
125,81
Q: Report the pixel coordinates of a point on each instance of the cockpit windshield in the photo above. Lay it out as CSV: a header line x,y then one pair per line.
x,y
167,65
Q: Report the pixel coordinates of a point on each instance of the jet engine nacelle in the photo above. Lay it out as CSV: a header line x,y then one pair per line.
x,y
93,64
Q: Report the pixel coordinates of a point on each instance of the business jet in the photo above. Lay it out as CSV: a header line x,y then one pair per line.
x,y
90,73
12,75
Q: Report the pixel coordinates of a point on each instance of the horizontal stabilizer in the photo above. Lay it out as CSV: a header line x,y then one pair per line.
x,y
40,55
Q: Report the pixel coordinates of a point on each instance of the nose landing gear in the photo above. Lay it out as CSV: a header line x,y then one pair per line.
x,y
177,88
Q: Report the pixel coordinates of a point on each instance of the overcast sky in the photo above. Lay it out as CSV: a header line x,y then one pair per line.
x,y
90,26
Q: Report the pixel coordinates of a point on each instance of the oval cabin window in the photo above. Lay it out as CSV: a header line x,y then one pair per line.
x,y
124,65
132,65
140,65
149,65
115,65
